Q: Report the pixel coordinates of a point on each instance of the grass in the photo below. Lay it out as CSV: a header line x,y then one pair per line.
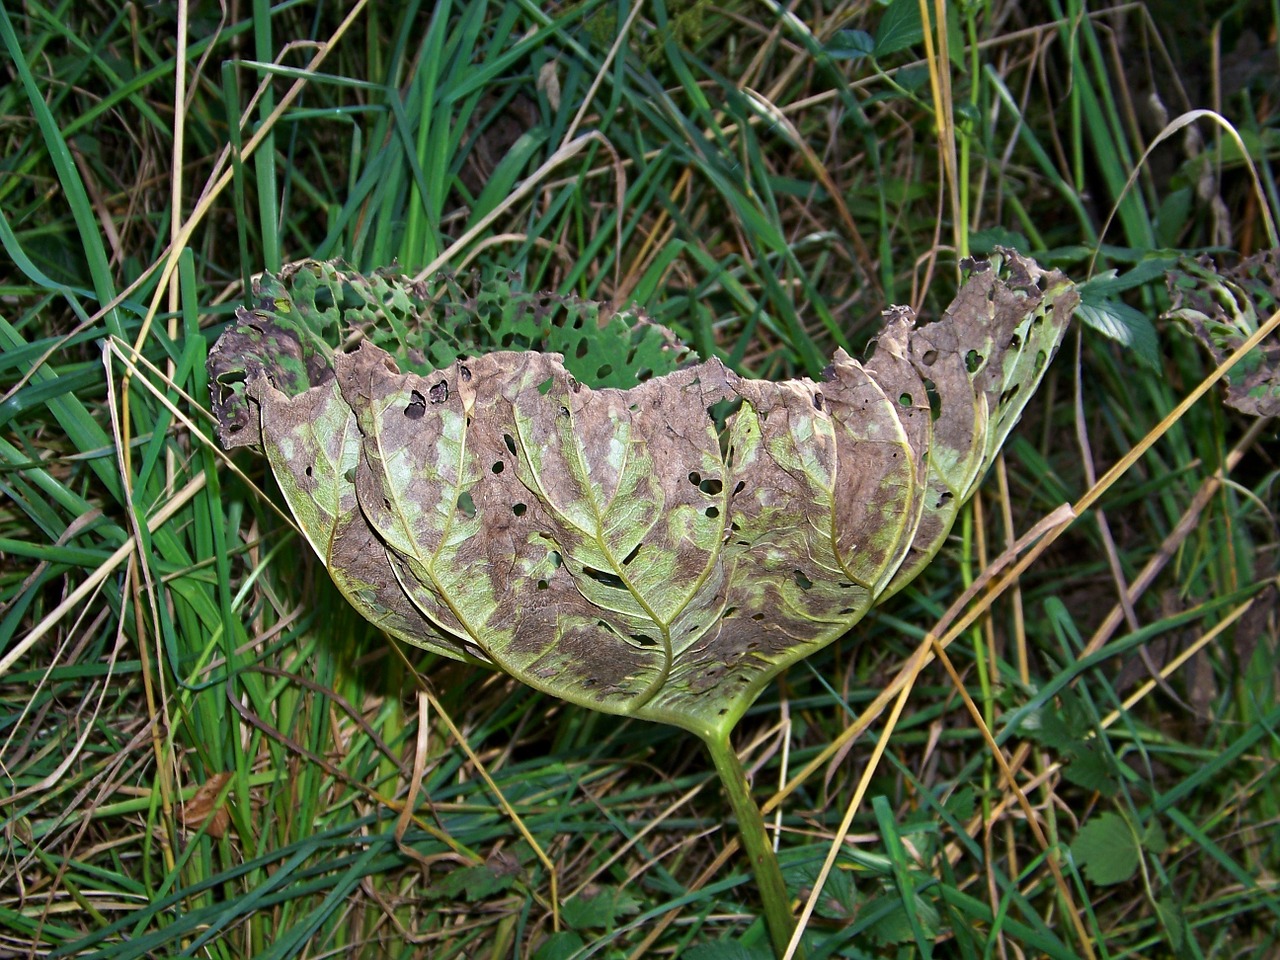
x,y
204,751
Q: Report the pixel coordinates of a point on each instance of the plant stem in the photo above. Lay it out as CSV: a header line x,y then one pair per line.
x,y
764,863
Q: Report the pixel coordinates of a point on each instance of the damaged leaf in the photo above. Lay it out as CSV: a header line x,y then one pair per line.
x,y
1222,309
624,549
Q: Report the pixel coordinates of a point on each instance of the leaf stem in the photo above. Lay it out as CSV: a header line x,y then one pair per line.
x,y
764,862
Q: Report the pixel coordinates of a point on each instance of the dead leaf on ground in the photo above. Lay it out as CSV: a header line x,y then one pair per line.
x,y
661,551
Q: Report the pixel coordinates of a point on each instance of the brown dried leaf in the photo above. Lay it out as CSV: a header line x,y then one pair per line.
x,y
204,810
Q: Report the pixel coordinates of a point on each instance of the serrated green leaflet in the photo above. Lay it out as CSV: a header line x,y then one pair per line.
x,y
620,548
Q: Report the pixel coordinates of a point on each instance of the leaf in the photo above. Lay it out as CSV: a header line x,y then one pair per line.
x,y
1106,849
1093,769
639,551
839,899
599,908
850,45
1118,321
983,361
561,946
900,28
1224,308
1072,733
473,883
1154,839
729,950
203,809
313,309
895,924
1171,919
962,804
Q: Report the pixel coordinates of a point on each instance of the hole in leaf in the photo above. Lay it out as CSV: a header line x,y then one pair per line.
x,y
1009,394
439,392
644,641
720,413
695,478
632,555
510,442
583,347
739,487
1041,359
417,406
564,411
728,612
543,585
308,470
929,358
466,504
803,582
757,616
944,498
817,401
498,466
711,487
464,373
972,361
905,400
605,578
545,386
1015,342
555,558
604,370
519,509
643,375
935,400
711,512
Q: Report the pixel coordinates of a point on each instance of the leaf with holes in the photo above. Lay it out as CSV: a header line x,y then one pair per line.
x,y
1222,309
661,551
